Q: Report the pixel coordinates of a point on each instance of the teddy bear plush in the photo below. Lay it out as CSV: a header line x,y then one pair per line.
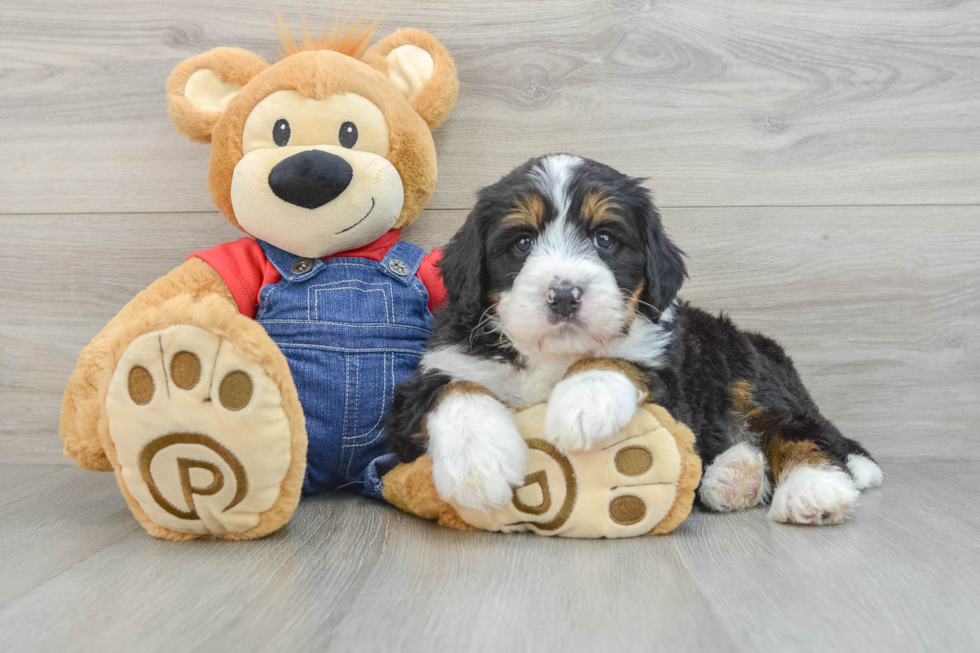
x,y
263,369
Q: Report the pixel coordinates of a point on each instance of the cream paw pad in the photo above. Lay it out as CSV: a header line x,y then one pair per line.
x,y
640,482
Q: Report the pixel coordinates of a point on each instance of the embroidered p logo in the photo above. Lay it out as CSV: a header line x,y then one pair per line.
x,y
184,467
202,441
629,486
535,496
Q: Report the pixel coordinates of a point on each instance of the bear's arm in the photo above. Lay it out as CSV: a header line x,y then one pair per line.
x,y
245,269
80,409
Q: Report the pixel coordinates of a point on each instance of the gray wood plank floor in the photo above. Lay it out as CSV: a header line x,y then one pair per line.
x,y
350,574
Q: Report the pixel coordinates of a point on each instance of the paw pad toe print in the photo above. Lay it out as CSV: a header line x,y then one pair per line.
x,y
200,434
625,488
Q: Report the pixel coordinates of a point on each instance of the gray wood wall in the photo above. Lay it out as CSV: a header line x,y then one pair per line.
x,y
818,161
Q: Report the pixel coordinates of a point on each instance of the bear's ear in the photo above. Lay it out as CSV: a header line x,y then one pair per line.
x,y
200,88
419,67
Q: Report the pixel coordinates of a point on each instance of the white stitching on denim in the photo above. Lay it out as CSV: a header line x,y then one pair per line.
x,y
366,283
352,326
353,265
377,422
385,289
384,372
264,302
316,300
406,252
386,401
343,429
351,442
348,350
424,292
350,449
357,386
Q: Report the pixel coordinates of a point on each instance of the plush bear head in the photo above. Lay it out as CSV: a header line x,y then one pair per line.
x,y
327,149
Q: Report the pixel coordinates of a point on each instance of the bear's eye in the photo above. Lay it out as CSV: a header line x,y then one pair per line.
x,y
348,134
281,132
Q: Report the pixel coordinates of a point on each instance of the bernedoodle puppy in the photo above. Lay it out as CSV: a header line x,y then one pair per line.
x,y
563,288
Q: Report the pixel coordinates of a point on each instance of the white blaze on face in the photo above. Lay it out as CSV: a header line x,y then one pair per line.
x,y
563,255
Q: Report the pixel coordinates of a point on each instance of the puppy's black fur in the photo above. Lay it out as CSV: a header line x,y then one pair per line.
x,y
705,363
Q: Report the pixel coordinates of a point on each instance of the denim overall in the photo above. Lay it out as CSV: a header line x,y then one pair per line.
x,y
351,329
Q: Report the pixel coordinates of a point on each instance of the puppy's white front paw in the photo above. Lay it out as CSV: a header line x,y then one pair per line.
x,y
814,495
589,407
478,455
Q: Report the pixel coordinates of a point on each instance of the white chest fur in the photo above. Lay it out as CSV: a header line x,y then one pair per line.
x,y
516,387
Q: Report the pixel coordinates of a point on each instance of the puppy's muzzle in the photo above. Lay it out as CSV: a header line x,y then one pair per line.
x,y
310,179
564,299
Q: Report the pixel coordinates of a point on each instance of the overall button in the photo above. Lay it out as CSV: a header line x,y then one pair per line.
x,y
302,266
398,267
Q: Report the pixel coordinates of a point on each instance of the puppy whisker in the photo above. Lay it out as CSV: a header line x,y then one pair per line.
x,y
487,318
634,299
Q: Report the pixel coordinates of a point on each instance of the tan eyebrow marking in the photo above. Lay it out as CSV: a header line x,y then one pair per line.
x,y
598,208
529,212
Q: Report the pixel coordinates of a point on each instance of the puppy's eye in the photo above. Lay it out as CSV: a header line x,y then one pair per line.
x,y
603,240
281,132
348,134
524,245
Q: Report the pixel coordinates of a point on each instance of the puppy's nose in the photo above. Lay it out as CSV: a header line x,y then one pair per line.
x,y
564,299
310,179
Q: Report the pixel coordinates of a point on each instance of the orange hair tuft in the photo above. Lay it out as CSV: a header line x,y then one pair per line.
x,y
351,39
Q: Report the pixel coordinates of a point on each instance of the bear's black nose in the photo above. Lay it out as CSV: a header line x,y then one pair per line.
x,y
310,179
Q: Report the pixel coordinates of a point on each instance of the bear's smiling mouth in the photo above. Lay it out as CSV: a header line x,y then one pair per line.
x,y
359,221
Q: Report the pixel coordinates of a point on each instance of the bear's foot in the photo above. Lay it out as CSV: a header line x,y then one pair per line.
x,y
202,441
641,482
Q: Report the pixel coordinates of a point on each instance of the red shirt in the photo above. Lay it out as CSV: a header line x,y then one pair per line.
x,y
245,269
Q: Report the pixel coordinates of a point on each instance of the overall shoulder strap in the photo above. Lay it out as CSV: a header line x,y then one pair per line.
x,y
290,266
402,262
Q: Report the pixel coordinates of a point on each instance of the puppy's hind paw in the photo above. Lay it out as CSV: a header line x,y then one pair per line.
x,y
814,495
864,471
735,480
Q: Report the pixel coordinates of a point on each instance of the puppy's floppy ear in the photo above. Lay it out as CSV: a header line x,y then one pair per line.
x,y
200,88
463,268
418,65
665,261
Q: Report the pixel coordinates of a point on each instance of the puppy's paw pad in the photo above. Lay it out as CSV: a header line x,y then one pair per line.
x,y
199,431
811,495
589,407
735,480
